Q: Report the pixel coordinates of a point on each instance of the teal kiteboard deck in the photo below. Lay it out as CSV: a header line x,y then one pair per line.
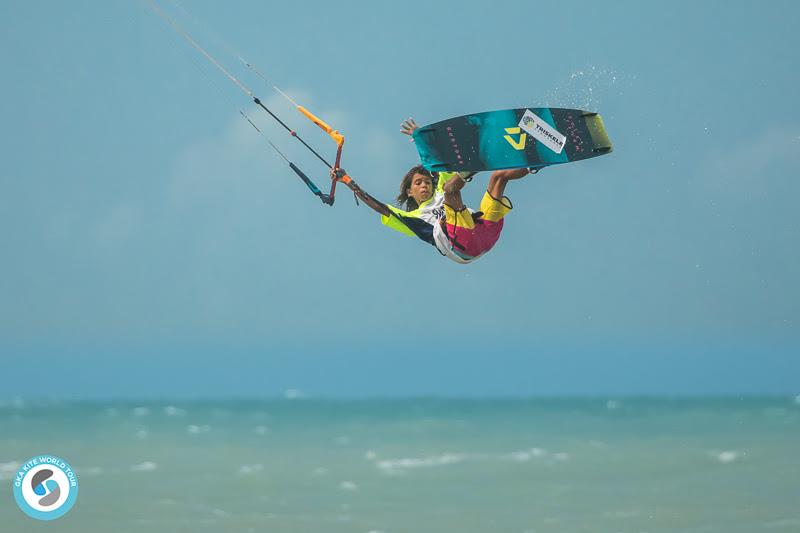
x,y
514,138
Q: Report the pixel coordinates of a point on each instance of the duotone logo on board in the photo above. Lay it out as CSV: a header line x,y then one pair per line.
x,y
517,144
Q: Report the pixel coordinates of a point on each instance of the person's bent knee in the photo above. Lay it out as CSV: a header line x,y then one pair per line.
x,y
454,185
498,175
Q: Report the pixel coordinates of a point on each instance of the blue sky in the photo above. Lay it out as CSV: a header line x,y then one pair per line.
x,y
152,245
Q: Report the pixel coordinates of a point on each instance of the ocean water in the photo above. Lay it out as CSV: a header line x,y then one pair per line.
x,y
425,465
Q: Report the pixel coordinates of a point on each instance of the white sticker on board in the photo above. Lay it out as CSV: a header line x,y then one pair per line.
x,y
542,131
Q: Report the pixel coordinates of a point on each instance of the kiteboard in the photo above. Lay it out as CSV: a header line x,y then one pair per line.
x,y
532,137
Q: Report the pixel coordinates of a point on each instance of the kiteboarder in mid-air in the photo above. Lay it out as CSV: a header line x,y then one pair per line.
x,y
435,212
511,143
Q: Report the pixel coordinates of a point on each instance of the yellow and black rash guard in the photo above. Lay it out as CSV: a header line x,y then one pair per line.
x,y
426,221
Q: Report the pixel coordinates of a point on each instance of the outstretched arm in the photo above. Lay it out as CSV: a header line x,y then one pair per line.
x,y
363,195
408,127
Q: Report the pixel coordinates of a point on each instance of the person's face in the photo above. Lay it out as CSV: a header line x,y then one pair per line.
x,y
421,188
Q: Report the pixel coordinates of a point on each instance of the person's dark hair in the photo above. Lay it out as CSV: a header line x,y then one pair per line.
x,y
403,199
